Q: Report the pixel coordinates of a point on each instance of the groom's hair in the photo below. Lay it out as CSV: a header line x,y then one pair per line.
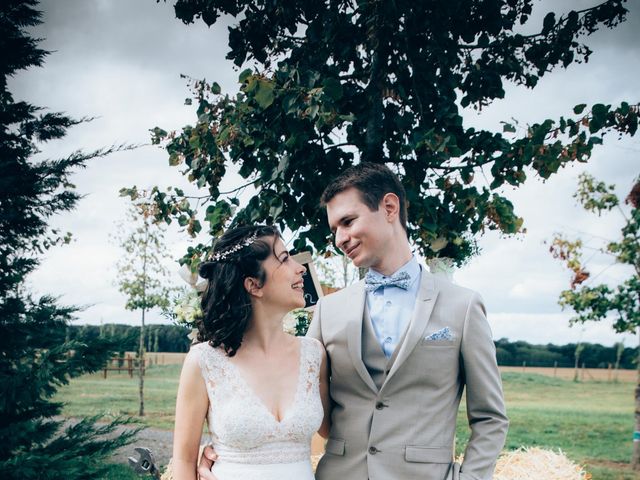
x,y
373,181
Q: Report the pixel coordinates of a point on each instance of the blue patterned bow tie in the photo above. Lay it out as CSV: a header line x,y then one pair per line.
x,y
400,280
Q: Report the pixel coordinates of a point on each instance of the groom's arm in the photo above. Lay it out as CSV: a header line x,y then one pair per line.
x,y
485,402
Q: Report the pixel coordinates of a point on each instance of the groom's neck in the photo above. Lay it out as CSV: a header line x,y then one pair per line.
x,y
394,257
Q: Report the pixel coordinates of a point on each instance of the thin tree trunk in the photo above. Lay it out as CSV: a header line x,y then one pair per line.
x,y
141,367
144,308
635,458
619,352
577,362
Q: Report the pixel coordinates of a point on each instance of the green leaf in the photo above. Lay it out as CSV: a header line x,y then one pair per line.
x,y
548,22
174,159
578,109
599,111
244,75
332,88
264,96
215,88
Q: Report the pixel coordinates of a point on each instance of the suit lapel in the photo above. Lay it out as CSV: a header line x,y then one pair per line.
x,y
422,312
355,313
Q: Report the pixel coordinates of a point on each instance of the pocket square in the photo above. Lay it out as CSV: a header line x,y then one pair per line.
x,y
444,334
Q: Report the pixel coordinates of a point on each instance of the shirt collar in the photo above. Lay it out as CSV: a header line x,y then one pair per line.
x,y
412,267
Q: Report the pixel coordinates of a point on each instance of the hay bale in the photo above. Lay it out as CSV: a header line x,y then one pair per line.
x,y
535,463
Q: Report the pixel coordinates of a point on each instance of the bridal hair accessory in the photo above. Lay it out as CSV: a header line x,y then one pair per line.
x,y
221,256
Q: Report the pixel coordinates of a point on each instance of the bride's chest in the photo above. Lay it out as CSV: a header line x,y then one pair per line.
x,y
238,418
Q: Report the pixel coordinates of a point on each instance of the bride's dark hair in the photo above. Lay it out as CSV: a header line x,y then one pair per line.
x,y
226,304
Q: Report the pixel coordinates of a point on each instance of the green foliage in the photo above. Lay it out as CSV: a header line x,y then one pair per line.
x,y
142,277
170,338
338,82
37,357
595,196
597,302
563,356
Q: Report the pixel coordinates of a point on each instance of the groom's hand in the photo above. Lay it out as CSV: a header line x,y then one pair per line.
x,y
207,459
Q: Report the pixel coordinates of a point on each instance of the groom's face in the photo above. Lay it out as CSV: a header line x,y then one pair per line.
x,y
362,234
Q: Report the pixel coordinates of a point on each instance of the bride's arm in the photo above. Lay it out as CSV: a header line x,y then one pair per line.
x,y
323,431
191,409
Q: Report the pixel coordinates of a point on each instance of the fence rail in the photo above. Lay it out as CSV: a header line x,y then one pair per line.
x,y
128,363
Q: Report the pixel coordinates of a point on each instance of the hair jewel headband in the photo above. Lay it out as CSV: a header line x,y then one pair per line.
x,y
237,247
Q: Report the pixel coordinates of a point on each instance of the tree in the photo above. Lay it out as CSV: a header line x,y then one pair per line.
x,y
37,357
621,302
335,82
142,277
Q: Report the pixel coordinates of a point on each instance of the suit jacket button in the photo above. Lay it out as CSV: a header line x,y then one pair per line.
x,y
380,405
373,450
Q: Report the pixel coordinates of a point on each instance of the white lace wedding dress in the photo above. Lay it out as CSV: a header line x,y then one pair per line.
x,y
250,442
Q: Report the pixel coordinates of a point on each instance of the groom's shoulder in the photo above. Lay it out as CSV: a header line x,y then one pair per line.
x,y
452,291
344,293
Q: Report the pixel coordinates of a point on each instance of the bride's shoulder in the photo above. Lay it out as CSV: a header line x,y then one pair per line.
x,y
313,345
310,341
204,352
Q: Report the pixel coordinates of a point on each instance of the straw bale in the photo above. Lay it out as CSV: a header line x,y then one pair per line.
x,y
533,463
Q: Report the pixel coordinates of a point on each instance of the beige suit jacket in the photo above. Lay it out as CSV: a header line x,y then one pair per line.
x,y
405,430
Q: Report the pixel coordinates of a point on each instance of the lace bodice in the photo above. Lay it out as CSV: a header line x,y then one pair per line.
x,y
242,429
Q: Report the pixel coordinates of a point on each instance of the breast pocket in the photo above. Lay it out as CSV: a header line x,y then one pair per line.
x,y
438,363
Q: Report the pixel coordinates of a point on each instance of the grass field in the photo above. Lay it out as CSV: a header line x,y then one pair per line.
x,y
591,422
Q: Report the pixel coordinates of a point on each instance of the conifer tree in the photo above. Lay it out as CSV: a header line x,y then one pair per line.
x,y
37,357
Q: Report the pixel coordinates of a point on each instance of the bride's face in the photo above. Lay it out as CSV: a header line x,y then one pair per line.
x,y
283,286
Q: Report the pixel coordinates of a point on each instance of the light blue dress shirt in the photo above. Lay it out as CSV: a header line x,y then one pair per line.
x,y
391,308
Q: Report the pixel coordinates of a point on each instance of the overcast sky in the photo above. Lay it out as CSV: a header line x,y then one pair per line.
x,y
121,61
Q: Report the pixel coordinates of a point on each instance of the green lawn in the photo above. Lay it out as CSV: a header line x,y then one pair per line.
x,y
591,422
123,472
118,395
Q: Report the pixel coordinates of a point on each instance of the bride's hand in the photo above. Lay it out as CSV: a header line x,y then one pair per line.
x,y
207,459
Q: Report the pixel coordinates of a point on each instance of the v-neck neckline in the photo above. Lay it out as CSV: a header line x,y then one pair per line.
x,y
257,397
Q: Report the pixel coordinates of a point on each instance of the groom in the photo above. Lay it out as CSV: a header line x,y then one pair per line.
x,y
402,346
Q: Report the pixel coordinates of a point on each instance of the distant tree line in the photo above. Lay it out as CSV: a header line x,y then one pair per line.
x,y
158,338
593,355
173,338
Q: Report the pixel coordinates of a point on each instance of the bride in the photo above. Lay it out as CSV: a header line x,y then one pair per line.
x,y
264,393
